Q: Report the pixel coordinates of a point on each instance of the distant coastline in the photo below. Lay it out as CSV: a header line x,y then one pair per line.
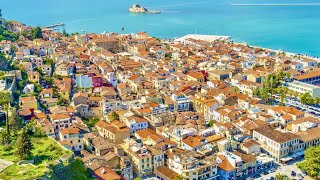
x,y
281,30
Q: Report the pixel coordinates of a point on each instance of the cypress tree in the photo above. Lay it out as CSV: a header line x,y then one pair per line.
x,y
24,145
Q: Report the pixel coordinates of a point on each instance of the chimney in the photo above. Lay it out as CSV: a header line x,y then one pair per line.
x,y
103,171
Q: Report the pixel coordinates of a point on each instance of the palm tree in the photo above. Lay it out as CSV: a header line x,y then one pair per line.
x,y
282,91
256,92
281,177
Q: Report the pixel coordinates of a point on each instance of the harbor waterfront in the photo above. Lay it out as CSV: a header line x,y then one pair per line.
x,y
288,25
200,98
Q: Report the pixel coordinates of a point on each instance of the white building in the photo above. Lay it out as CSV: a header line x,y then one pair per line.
x,y
71,138
301,87
109,105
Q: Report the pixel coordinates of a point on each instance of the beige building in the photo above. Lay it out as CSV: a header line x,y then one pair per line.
x,y
144,159
116,131
301,88
71,138
29,103
60,121
192,165
278,144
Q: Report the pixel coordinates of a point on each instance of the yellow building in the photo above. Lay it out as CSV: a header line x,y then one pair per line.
x,y
28,102
115,131
199,103
65,93
34,77
196,76
141,158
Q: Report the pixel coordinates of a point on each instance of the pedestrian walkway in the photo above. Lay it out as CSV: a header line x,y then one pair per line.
x,y
4,164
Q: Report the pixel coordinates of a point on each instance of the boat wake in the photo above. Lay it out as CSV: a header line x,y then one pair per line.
x,y
295,4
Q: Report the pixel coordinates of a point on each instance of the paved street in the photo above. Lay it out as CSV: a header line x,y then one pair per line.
x,y
312,110
285,169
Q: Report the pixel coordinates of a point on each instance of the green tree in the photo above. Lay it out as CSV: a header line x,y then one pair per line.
x,y
264,93
311,164
318,65
317,100
24,145
280,176
256,92
48,79
282,91
211,122
114,116
236,89
36,33
306,98
15,123
48,61
5,103
91,122
178,177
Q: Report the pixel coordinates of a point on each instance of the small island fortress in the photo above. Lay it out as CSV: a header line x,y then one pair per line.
x,y
136,8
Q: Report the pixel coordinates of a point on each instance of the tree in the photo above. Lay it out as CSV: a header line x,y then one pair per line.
x,y
311,164
282,91
24,145
5,138
318,65
211,122
264,93
36,33
178,177
306,98
48,61
317,100
236,89
114,116
15,123
256,92
91,122
280,176
4,102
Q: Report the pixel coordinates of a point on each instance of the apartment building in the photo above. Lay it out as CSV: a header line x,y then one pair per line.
x,y
277,144
143,158
301,88
192,165
71,138
116,131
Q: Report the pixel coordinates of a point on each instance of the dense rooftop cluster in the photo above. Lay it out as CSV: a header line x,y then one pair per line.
x,y
132,105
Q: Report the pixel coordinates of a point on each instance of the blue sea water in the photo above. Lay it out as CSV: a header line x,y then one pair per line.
x,y
291,28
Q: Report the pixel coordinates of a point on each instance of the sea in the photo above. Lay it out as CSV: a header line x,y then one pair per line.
x,y
290,25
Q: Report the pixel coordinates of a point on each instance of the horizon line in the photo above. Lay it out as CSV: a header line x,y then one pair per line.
x,y
287,4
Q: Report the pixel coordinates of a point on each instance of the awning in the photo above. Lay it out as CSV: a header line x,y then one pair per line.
x,y
286,159
300,153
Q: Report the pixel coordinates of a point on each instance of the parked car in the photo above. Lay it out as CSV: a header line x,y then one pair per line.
x,y
300,176
293,173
